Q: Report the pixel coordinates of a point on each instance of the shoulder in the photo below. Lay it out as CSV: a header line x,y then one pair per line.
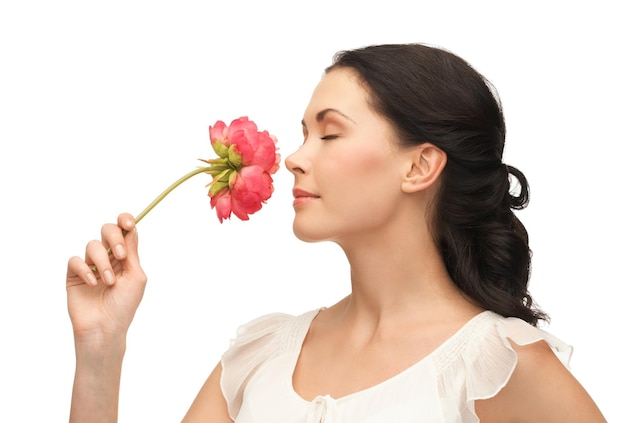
x,y
267,329
540,387
503,369
488,341
256,342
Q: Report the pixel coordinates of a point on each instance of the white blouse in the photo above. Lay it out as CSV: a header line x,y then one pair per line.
x,y
474,363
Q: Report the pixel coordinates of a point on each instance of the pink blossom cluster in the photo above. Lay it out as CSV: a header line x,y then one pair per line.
x,y
242,175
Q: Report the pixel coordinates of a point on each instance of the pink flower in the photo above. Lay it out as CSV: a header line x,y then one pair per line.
x,y
242,179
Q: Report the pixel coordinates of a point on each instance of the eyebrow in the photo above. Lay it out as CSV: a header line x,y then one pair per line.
x,y
322,114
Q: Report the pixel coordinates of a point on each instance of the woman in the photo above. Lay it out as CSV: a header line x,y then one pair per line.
x,y
401,166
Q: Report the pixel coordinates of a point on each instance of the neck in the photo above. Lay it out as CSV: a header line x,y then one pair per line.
x,y
399,277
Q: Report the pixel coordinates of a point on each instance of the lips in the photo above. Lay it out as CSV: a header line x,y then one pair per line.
x,y
302,197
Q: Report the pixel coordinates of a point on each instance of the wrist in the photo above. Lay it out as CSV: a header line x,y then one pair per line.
x,y
99,345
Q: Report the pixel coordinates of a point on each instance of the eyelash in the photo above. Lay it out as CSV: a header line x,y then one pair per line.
x,y
329,137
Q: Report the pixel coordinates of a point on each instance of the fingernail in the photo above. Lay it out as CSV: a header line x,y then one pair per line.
x,y
120,251
108,276
91,279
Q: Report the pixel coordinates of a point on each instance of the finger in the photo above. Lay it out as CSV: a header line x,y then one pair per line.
x,y
126,221
97,254
79,272
113,236
113,239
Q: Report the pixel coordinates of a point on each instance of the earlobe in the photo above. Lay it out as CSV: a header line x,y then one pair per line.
x,y
426,164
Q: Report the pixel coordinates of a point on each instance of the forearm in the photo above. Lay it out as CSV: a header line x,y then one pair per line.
x,y
95,395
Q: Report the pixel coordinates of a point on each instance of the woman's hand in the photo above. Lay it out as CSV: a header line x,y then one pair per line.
x,y
103,292
105,288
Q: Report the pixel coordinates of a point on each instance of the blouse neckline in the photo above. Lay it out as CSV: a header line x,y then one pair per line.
x,y
305,326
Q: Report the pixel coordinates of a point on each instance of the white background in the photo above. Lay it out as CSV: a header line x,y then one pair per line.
x,y
104,104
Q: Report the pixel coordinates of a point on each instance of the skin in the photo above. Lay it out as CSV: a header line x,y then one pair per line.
x,y
372,198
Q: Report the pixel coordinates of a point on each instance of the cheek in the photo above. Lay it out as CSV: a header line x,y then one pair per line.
x,y
361,181
365,166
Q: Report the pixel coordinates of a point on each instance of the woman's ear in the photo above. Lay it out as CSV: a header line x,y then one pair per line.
x,y
426,164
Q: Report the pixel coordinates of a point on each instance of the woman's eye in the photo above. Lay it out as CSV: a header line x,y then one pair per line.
x,y
329,137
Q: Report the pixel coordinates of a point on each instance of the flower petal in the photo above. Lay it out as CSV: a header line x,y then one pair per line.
x,y
251,187
218,132
222,204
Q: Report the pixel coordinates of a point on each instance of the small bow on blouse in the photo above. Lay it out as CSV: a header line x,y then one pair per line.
x,y
322,410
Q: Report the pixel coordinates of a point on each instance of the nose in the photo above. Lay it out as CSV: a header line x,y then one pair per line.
x,y
296,162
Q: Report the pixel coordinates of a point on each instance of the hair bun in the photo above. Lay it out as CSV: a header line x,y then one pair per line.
x,y
518,200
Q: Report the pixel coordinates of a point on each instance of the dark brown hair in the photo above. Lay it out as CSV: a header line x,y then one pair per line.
x,y
431,95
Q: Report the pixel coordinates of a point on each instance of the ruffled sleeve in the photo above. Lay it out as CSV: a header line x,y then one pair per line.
x,y
485,360
255,342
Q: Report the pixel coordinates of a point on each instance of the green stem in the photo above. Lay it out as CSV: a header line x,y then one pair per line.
x,y
168,190
161,197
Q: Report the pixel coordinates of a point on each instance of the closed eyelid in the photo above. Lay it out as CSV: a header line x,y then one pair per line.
x,y
323,127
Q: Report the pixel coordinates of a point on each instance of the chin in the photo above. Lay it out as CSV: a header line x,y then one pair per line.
x,y
309,233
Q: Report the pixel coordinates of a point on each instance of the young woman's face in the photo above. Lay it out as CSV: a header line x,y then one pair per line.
x,y
347,172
